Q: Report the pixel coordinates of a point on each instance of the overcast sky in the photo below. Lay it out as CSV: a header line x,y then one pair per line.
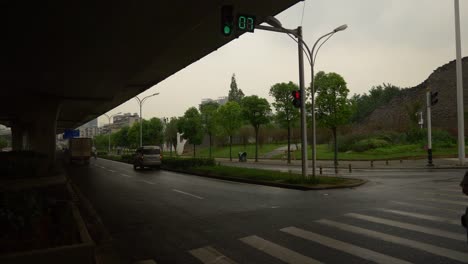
x,y
387,41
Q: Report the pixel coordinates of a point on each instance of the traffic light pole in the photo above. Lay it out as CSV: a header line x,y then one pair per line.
x,y
298,34
429,131
303,110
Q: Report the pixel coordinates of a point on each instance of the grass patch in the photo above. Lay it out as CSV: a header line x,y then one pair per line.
x,y
412,151
223,152
270,176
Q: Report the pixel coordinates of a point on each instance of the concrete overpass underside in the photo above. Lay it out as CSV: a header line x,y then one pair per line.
x,y
67,62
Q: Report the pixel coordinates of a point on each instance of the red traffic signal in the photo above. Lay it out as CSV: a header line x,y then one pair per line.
x,y
296,98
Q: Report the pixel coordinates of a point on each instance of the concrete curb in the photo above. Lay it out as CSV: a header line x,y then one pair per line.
x,y
276,184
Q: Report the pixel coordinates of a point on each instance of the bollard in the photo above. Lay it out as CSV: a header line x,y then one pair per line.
x,y
350,170
401,161
320,169
372,163
386,162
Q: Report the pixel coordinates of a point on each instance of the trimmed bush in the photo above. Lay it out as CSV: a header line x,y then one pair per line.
x,y
367,144
184,163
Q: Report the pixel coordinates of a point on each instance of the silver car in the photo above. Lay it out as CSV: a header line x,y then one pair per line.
x,y
147,156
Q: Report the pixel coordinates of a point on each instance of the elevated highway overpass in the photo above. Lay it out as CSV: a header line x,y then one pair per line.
x,y
67,62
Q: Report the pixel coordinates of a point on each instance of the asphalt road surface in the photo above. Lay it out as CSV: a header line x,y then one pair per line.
x,y
400,216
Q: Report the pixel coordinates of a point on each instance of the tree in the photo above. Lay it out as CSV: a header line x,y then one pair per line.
x,y
191,125
120,138
229,118
286,113
235,94
3,143
333,106
208,112
152,133
364,105
257,112
171,133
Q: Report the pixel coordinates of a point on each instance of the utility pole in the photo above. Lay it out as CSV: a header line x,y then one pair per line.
x,y
460,105
429,132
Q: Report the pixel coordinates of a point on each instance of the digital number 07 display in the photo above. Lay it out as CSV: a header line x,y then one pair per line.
x,y
245,23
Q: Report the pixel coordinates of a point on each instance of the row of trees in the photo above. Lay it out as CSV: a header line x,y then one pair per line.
x,y
333,108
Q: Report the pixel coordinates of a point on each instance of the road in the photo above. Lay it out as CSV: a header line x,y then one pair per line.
x,y
398,217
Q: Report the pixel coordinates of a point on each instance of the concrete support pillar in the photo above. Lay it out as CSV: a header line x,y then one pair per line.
x,y
42,130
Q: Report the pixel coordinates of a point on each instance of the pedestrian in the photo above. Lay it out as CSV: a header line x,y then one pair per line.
x,y
464,218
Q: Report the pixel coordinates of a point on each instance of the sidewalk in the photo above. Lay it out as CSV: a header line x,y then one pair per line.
x,y
440,163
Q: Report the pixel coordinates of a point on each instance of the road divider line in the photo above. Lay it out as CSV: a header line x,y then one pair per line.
x,y
450,190
442,201
422,216
125,175
462,197
421,229
440,251
209,255
425,206
148,182
111,170
278,251
343,246
189,194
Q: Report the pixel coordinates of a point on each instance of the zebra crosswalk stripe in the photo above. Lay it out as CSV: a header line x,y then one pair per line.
x,y
422,216
425,206
278,251
343,246
444,252
210,255
421,229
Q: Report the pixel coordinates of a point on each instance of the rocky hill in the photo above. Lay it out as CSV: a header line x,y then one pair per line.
x,y
396,114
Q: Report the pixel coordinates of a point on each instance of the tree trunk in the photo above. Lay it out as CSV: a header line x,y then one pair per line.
x,y
289,142
256,144
170,148
194,150
210,146
230,148
335,147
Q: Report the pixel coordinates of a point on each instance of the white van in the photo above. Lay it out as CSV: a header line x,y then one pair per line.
x,y
147,156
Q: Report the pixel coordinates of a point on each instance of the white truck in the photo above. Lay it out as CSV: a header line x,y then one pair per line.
x,y
80,149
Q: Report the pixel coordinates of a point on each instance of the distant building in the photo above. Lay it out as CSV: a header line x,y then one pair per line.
x,y
90,129
126,119
119,122
220,100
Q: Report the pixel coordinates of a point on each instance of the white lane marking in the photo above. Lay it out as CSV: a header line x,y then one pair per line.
x,y
111,170
422,216
148,182
451,190
424,206
422,229
125,175
444,252
343,246
442,201
447,195
189,194
278,251
210,255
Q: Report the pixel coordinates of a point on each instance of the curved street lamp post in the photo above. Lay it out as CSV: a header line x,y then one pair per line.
x,y
140,103
110,130
277,27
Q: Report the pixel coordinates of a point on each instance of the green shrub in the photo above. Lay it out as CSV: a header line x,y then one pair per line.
x,y
128,158
184,163
346,142
371,143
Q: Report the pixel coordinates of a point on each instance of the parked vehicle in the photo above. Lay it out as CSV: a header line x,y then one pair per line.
x,y
147,156
80,149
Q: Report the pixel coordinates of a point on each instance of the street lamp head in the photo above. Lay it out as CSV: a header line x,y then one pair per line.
x,y
272,21
340,28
